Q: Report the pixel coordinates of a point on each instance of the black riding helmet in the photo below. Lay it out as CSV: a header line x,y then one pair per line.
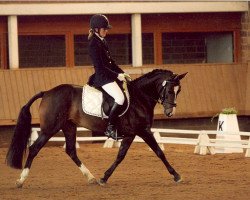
x,y
99,21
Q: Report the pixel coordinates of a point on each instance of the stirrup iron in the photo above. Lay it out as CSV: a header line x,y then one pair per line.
x,y
113,136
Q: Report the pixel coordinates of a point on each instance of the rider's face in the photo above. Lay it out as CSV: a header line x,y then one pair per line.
x,y
103,32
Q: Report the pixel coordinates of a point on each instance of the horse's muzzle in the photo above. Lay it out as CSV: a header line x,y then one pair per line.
x,y
169,112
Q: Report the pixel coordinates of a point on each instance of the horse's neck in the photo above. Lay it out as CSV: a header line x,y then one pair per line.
x,y
145,92
147,86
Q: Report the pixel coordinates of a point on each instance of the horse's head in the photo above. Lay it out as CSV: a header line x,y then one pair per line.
x,y
168,90
161,86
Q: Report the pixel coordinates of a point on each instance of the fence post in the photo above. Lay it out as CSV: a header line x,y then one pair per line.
x,y
248,149
203,141
110,143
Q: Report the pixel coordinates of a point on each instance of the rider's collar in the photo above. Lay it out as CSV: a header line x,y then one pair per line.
x,y
99,36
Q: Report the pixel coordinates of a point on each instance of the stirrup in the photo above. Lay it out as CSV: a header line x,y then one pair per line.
x,y
113,136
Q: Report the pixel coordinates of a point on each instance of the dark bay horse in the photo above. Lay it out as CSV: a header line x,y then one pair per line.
x,y
61,109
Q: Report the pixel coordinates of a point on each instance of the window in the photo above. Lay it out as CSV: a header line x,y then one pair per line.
x,y
81,50
183,48
119,46
197,47
148,48
42,51
220,47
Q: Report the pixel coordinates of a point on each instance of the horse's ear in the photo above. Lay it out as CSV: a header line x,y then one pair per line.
x,y
181,76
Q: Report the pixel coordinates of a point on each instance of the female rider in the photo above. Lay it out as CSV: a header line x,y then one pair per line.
x,y
106,71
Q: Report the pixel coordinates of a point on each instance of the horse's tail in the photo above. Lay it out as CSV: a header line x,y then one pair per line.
x,y
22,132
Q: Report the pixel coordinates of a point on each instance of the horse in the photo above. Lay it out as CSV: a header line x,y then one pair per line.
x,y
61,109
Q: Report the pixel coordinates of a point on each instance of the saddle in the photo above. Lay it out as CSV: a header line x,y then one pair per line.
x,y
96,102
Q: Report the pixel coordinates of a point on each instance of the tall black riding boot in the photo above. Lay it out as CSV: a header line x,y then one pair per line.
x,y
111,130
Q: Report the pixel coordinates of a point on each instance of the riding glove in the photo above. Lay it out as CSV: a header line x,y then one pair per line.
x,y
121,77
124,77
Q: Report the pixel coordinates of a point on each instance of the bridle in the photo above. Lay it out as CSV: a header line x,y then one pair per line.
x,y
163,94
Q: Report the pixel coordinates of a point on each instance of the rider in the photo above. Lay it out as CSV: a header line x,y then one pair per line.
x,y
107,73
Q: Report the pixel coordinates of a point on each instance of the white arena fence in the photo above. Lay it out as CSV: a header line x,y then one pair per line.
x,y
199,138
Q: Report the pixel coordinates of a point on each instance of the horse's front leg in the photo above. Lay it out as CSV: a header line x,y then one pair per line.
x,y
148,137
125,144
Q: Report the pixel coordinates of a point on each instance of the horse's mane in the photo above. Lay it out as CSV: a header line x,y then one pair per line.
x,y
146,78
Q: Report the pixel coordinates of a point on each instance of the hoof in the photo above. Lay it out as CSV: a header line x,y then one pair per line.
x,y
101,182
92,181
19,184
177,178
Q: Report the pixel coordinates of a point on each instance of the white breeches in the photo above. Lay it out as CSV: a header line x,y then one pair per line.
x,y
114,91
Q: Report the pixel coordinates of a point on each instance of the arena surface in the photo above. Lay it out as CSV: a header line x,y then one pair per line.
x,y
140,176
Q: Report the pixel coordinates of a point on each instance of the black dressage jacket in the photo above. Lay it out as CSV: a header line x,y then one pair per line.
x,y
106,71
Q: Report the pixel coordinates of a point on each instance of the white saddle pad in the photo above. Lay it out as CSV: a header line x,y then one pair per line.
x,y
92,101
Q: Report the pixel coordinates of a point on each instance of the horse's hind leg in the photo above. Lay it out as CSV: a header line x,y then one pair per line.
x,y
33,151
148,137
69,131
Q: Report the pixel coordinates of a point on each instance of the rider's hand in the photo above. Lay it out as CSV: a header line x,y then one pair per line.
x,y
121,77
